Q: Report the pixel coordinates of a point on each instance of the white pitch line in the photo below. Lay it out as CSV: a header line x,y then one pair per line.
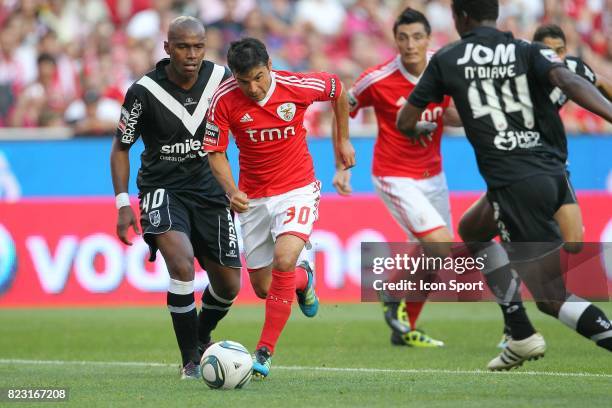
x,y
329,369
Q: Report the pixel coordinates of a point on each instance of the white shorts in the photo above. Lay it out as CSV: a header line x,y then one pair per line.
x,y
293,212
420,206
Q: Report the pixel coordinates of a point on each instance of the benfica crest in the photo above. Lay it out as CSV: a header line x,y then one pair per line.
x,y
286,111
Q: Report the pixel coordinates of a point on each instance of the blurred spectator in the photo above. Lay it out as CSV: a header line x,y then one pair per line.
x,y
44,93
103,46
94,114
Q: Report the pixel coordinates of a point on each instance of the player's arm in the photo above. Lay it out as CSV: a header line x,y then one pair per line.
x,y
128,131
342,176
220,167
120,171
343,148
429,89
581,91
451,117
605,86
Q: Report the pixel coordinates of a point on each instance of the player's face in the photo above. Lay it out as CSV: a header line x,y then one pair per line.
x,y
412,42
186,51
255,83
557,45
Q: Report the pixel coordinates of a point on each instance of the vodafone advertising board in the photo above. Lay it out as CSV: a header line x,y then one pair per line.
x,y
65,252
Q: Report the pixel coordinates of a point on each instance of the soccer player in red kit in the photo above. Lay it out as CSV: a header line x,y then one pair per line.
x,y
278,194
408,177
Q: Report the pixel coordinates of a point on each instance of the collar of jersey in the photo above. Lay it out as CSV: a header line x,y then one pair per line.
x,y
270,90
485,31
411,78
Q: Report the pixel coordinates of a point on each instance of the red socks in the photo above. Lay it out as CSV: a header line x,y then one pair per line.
x,y
278,307
301,278
414,310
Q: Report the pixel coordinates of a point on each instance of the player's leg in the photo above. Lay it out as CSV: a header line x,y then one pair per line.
x,y
293,216
526,213
407,201
215,244
576,313
304,278
166,227
217,298
569,218
477,229
279,299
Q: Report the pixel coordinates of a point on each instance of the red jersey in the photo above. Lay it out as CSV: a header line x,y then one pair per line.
x,y
386,87
270,134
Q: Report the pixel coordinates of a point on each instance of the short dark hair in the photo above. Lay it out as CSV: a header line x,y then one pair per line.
x,y
246,54
479,10
46,57
548,31
411,16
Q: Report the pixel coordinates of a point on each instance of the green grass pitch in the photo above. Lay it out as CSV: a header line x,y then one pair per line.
x,y
340,358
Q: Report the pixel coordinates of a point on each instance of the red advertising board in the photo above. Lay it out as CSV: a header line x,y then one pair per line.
x,y
64,252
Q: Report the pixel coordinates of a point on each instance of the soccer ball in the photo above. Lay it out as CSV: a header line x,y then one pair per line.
x,y
226,365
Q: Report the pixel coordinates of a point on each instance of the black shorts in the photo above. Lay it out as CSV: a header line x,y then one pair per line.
x,y
570,195
210,227
524,213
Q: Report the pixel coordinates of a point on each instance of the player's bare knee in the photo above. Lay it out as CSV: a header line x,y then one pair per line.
x,y
284,262
181,269
260,290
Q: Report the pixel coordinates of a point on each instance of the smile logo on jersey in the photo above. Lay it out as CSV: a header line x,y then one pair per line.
x,y
286,111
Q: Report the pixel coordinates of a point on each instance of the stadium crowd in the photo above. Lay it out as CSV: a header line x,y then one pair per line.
x,y
69,62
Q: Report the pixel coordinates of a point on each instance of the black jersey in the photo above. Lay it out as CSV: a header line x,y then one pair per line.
x,y
170,120
579,67
502,92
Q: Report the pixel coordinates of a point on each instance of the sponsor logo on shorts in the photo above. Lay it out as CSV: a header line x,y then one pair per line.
x,y
155,218
286,111
128,122
232,236
332,92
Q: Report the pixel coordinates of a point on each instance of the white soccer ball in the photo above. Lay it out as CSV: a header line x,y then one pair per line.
x,y
226,365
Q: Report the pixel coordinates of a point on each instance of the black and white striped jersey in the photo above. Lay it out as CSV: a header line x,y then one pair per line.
x,y
170,119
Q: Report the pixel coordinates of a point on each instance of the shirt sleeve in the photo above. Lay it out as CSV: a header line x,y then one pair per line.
x,y
131,119
586,72
430,87
359,95
216,131
543,59
319,86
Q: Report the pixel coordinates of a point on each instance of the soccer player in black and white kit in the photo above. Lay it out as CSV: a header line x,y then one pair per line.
x,y
478,224
501,87
183,210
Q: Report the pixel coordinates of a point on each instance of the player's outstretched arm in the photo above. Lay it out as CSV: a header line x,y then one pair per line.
x,y
581,91
605,86
343,148
408,123
452,118
220,167
120,171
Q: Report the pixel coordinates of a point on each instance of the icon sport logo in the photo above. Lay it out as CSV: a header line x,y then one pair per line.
x,y
8,259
